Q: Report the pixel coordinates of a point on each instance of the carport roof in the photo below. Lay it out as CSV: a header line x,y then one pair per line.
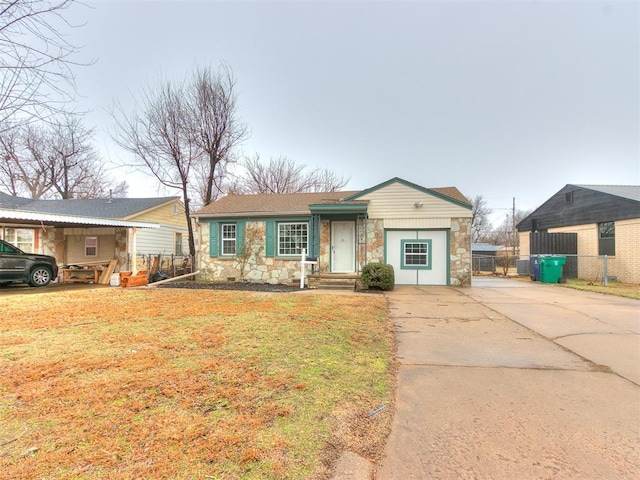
x,y
53,219
112,212
113,208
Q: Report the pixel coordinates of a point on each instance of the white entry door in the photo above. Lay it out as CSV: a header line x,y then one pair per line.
x,y
343,247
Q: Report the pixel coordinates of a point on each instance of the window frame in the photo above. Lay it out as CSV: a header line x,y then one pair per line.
x,y
233,240
13,234
607,238
87,246
428,255
279,252
177,243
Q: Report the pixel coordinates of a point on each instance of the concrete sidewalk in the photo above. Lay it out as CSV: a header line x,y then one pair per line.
x,y
511,379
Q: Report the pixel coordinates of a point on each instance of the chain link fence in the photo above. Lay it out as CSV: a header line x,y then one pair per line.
x,y
597,269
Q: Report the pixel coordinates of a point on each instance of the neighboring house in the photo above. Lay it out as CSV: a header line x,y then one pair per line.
x,y
594,220
484,256
425,233
88,230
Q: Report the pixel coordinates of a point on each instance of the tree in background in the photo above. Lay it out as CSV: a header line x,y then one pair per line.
x,y
35,60
215,128
507,235
283,175
56,159
480,223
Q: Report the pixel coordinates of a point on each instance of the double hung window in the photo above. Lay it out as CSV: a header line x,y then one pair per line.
x,y
416,254
292,238
229,238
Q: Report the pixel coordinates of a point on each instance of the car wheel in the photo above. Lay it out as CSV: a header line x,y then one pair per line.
x,y
40,277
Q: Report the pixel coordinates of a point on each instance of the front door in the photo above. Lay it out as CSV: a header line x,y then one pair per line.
x,y
343,247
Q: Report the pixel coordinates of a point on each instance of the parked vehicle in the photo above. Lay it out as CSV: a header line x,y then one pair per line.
x,y
18,266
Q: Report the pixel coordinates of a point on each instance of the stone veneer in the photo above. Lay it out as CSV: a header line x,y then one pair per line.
x,y
255,268
260,269
460,251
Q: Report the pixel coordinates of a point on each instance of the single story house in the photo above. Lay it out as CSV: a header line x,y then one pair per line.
x,y
588,222
79,231
425,233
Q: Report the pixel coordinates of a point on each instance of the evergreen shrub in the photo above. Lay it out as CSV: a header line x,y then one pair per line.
x,y
378,275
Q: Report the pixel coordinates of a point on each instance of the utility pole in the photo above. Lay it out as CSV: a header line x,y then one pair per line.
x,y
513,227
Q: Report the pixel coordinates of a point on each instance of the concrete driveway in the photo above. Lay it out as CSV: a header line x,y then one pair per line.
x,y
509,379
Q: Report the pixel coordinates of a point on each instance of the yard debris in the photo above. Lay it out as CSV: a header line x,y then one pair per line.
x,y
377,410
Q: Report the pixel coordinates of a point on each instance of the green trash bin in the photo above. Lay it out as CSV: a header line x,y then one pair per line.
x,y
551,268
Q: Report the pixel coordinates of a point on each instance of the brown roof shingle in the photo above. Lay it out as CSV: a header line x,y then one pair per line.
x,y
269,204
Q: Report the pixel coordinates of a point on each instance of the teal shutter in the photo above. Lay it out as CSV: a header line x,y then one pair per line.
x,y
240,228
213,238
270,233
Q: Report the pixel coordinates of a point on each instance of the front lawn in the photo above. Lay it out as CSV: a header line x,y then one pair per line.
x,y
190,384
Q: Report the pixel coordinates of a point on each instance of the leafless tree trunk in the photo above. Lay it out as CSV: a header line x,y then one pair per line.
x,y
283,175
159,137
214,126
35,60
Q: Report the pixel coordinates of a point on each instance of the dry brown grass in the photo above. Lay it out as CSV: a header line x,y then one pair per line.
x,y
111,383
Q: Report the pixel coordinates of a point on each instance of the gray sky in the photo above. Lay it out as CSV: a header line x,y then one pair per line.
x,y
499,98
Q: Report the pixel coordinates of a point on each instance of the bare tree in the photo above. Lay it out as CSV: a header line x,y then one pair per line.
x,y
283,175
54,160
214,126
480,224
185,134
159,136
36,59
507,235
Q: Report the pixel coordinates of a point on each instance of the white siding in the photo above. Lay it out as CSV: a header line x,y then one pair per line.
x,y
151,241
397,201
421,223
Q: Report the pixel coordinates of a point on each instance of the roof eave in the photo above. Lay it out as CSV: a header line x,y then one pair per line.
x,y
71,219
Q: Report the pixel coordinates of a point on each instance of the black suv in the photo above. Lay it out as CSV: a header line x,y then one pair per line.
x,y
18,266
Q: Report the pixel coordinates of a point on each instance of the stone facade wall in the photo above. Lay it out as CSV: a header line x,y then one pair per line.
x,y
460,251
374,242
250,264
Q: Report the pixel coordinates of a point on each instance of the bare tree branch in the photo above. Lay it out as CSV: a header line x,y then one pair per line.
x,y
480,224
214,127
158,134
283,175
36,60
54,160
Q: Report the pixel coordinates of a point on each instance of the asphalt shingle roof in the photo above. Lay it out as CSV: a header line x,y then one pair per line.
x,y
96,208
292,203
270,203
632,192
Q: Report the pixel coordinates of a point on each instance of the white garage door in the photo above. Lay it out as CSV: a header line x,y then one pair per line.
x,y
419,257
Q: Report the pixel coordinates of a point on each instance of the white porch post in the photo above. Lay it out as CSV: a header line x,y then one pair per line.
x,y
133,250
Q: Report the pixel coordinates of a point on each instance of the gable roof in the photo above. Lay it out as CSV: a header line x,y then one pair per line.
x,y
451,194
273,204
584,204
269,204
632,192
100,212
95,207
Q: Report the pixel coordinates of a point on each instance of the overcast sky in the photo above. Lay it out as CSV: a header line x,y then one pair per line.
x,y
503,98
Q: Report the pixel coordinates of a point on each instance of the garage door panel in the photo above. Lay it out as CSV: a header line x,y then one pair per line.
x,y
435,273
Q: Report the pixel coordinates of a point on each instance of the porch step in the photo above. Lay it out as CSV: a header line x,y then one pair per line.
x,y
333,281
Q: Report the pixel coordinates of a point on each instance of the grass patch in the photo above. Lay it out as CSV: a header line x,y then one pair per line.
x,y
115,383
629,290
